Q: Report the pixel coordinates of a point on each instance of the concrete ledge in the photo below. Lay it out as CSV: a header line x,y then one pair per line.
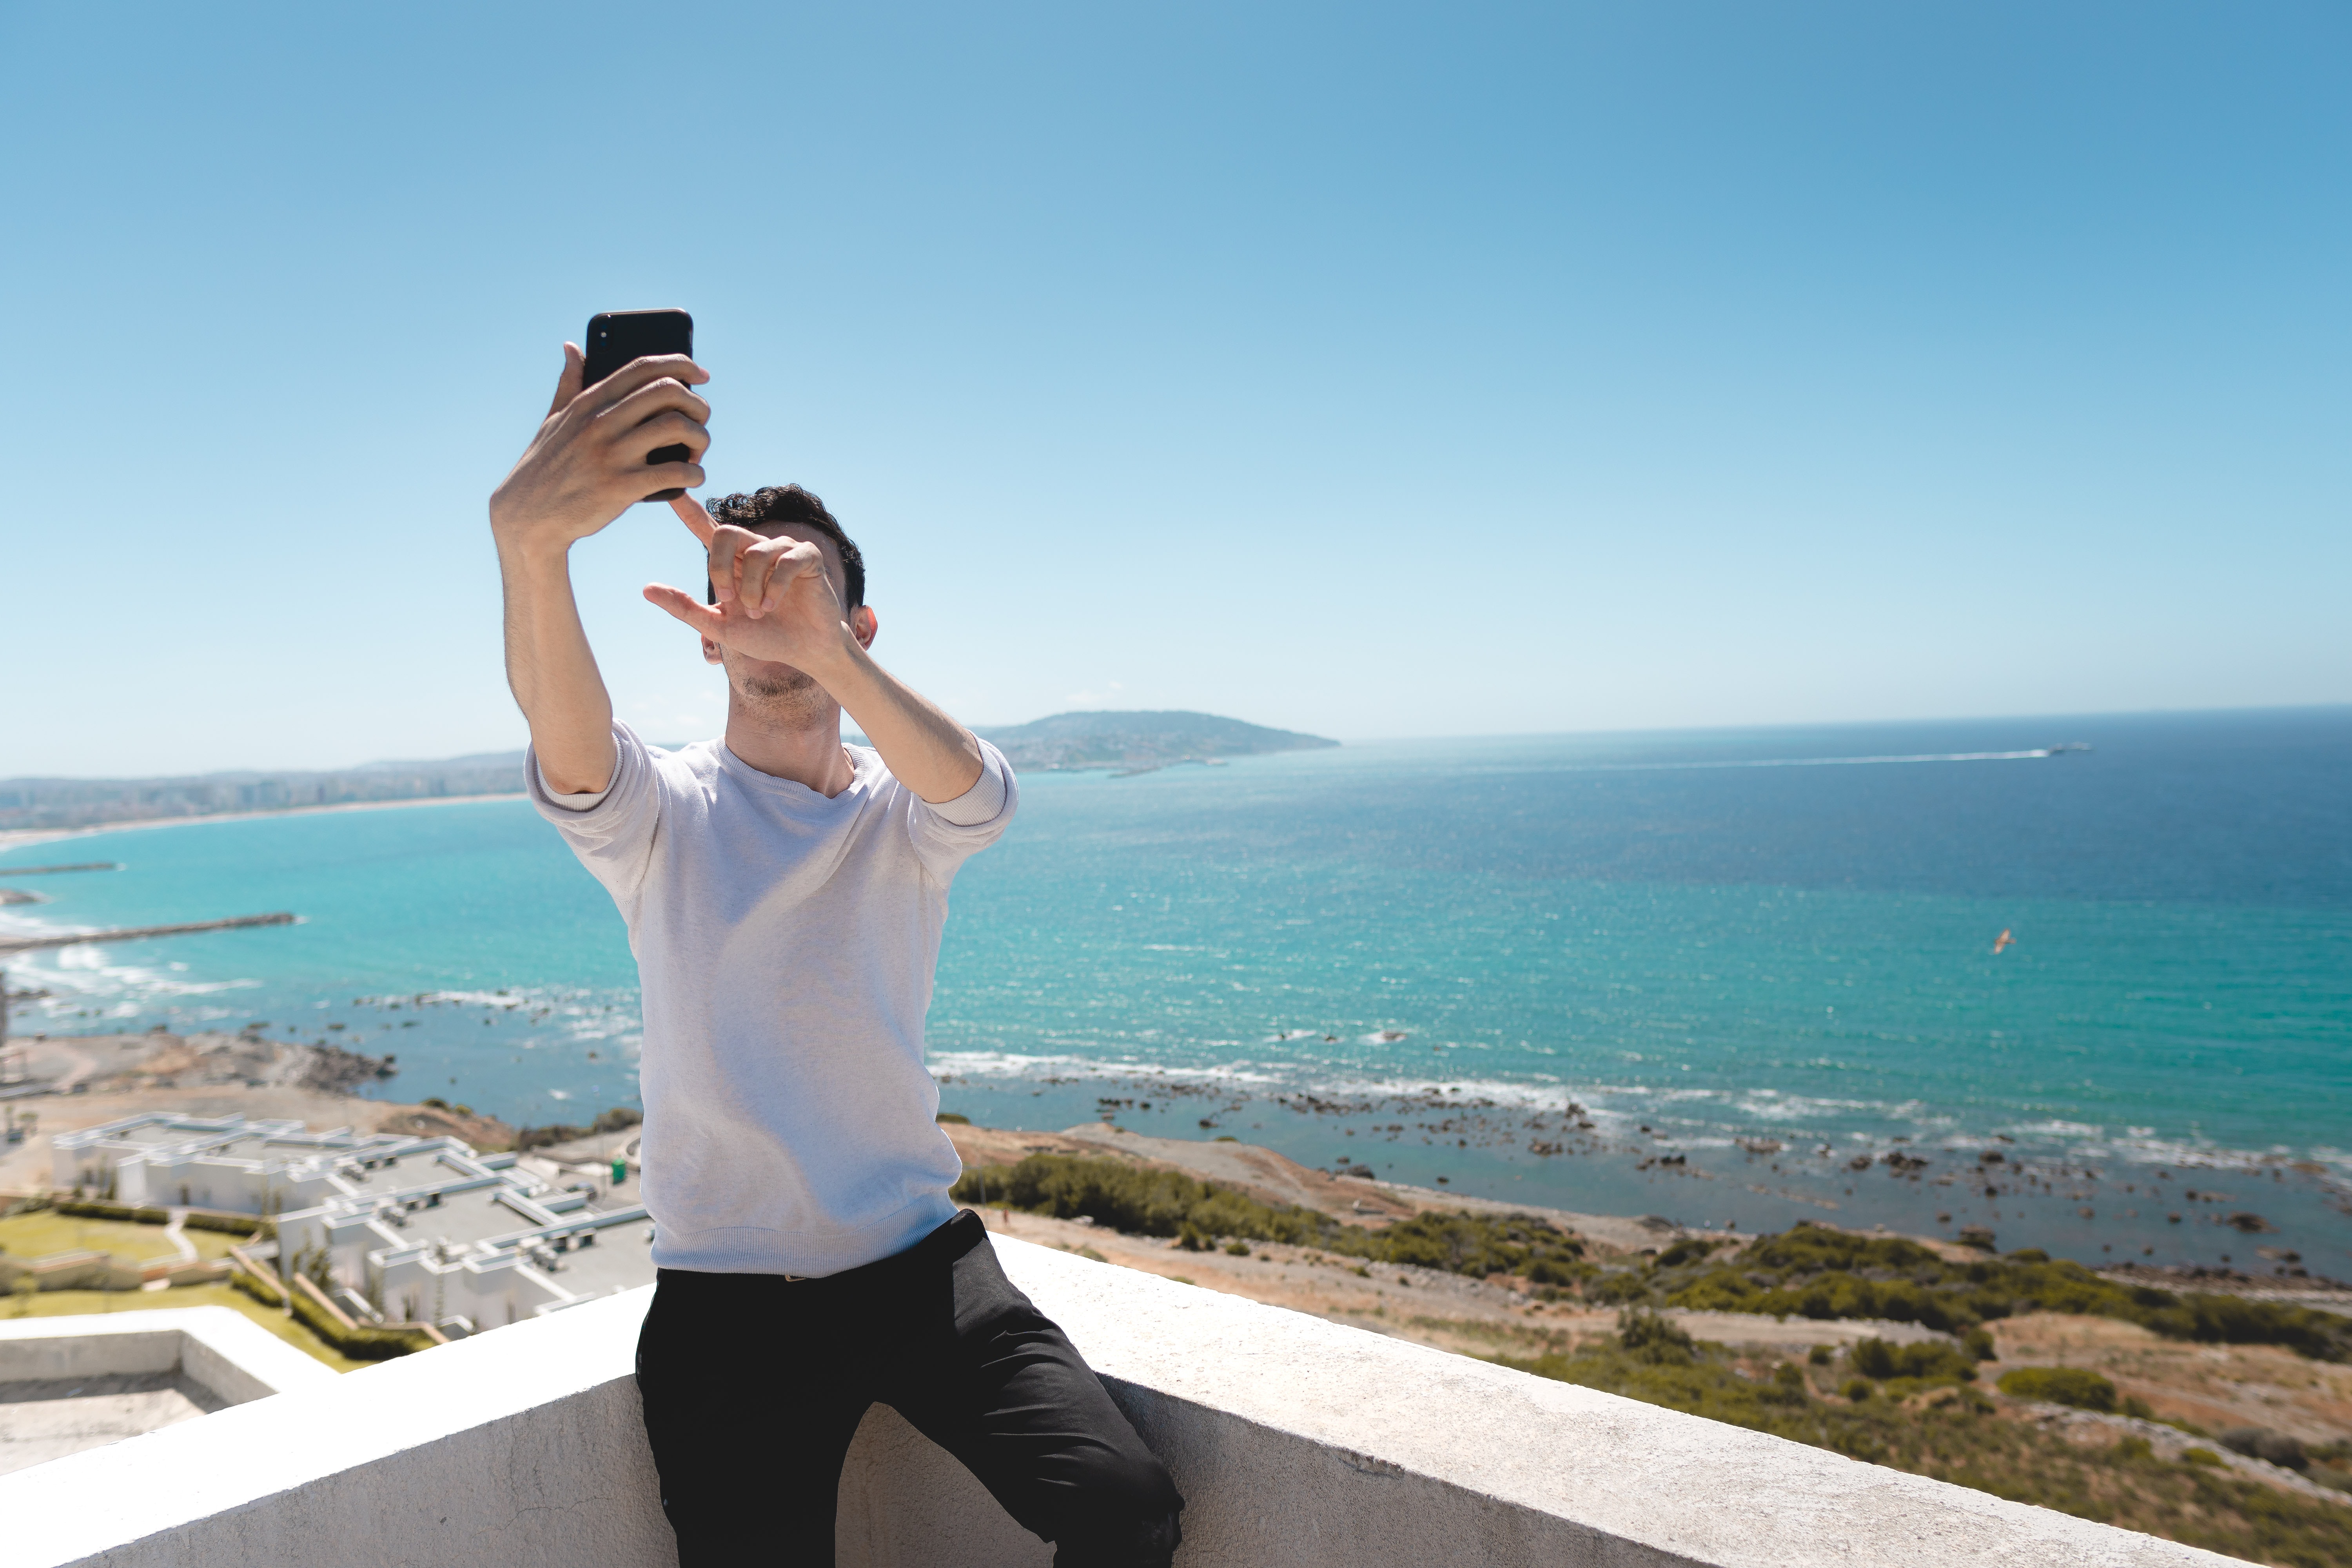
x,y
1297,1441
235,1358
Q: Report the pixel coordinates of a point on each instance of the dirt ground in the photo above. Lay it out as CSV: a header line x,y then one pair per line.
x,y
2213,1386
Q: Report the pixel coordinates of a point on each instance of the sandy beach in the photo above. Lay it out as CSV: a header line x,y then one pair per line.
x,y
17,838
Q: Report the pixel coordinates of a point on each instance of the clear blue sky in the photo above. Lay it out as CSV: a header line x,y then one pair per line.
x,y
1366,370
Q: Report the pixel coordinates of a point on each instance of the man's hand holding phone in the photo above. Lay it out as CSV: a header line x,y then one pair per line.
x,y
587,464
626,425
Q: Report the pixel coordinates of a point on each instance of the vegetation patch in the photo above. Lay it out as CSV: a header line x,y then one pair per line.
x,y
530,1138
1200,1214
1955,1435
1810,1272
39,1233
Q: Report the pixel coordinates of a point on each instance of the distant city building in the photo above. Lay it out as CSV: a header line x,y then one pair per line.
x,y
392,1227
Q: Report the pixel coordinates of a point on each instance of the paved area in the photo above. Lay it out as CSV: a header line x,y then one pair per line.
x,y
45,1420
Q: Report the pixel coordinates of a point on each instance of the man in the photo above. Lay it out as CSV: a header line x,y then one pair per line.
x,y
784,896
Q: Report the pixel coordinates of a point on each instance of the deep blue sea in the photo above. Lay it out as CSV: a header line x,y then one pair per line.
x,y
1755,956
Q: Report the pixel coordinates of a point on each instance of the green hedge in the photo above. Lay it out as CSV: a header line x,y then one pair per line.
x,y
96,1208
364,1341
148,1214
1169,1203
233,1224
262,1289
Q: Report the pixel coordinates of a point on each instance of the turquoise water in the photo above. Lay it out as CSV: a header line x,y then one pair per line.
x,y
1415,957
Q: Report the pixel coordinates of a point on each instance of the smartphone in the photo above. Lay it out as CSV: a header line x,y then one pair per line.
x,y
616,337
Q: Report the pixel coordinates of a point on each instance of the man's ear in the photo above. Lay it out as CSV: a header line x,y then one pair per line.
x,y
863,624
710,654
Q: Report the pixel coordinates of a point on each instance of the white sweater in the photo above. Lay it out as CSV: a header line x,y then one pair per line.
x,y
785,946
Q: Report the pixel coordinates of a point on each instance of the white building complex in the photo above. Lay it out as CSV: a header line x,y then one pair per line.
x,y
393,1227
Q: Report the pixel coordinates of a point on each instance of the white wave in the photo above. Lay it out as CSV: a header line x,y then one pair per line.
x,y
2053,1129
1811,762
1015,1065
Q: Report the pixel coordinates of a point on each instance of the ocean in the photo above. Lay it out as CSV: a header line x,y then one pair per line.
x,y
1727,977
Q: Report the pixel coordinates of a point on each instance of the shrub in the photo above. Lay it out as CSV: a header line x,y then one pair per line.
x,y
1617,1289
1690,1250
1238,1249
2205,1457
2072,1385
1857,1389
952,1118
1653,1340
1929,1362
2260,1443
2135,1448
1819,1355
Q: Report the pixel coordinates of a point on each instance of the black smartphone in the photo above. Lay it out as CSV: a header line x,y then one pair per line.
x,y
616,337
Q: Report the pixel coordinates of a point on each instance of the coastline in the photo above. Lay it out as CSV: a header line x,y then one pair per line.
x,y
19,837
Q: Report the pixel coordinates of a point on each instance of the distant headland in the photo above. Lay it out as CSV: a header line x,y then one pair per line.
x,y
1138,742
1124,742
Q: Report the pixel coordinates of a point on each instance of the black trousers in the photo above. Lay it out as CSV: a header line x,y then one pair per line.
x,y
754,1384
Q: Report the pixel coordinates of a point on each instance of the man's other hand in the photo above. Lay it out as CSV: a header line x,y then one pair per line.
x,y
776,601
587,464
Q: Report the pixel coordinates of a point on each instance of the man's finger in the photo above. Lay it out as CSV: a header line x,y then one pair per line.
x,y
695,517
728,543
644,372
798,559
567,385
660,476
768,568
686,607
664,394
671,428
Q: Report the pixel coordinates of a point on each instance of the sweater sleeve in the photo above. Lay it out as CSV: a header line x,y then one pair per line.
x,y
951,832
612,830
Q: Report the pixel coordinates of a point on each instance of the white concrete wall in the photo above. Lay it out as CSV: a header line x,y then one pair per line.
x,y
234,1357
1297,1442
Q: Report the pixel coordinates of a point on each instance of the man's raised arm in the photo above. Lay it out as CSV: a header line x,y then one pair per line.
x,y
586,466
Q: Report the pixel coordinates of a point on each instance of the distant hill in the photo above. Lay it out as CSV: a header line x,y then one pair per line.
x,y
87,802
1132,743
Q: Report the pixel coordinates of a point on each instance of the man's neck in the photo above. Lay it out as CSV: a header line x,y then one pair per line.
x,y
806,754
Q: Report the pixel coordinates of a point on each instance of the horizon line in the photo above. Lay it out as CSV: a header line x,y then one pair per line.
x,y
1751,728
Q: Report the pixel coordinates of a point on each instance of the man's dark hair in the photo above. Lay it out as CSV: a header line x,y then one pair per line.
x,y
790,503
